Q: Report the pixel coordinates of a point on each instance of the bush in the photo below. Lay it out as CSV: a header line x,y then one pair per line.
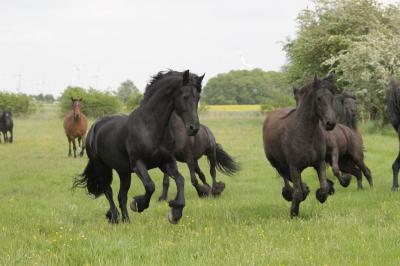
x,y
94,103
18,104
133,101
279,101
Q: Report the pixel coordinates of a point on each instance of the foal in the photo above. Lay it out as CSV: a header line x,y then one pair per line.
x,y
75,126
295,141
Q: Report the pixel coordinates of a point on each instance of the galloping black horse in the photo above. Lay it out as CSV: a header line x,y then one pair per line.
x,y
294,141
142,141
6,125
393,104
191,149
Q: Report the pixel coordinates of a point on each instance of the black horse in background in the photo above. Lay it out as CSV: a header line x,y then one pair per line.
x,y
142,141
6,125
190,149
393,104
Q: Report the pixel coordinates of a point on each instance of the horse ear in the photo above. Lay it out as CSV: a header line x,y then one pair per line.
x,y
186,77
199,81
316,82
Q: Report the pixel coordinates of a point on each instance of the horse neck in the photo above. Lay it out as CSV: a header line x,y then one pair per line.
x,y
158,111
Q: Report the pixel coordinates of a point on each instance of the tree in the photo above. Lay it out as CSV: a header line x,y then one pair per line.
x,y
245,87
353,38
125,89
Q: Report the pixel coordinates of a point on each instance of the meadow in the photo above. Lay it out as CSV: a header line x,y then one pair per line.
x,y
43,222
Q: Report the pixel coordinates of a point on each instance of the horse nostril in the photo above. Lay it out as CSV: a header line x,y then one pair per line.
x,y
191,126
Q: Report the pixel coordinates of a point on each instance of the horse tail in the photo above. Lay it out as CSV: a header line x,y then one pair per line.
x,y
224,162
393,103
96,178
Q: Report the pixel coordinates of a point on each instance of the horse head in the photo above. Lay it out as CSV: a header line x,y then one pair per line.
x,y
76,107
323,104
186,100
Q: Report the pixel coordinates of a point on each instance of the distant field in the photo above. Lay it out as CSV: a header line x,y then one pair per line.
x,y
43,223
234,108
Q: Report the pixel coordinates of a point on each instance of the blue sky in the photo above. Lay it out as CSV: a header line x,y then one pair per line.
x,y
47,45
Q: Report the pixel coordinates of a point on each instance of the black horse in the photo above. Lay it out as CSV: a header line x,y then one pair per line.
x,y
6,125
190,149
142,141
294,140
393,104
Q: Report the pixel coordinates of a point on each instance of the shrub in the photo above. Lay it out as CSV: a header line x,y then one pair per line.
x,y
94,103
133,101
18,104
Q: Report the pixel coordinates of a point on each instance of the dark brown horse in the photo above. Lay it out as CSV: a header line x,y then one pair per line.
x,y
75,126
294,141
345,152
189,149
393,104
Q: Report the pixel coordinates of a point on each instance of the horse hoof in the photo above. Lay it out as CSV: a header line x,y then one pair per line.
x,y
395,188
321,195
218,188
345,180
112,217
331,187
203,191
162,198
287,193
171,219
134,206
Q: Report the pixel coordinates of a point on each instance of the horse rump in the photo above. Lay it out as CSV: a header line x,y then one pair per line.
x,y
96,178
224,162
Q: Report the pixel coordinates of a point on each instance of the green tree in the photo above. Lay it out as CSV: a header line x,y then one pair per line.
x,y
354,38
244,87
133,101
125,90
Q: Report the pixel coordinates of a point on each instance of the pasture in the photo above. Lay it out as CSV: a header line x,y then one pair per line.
x,y
43,222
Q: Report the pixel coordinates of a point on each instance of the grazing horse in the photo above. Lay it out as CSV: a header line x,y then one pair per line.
x,y
142,141
190,149
393,104
75,126
345,151
294,141
6,125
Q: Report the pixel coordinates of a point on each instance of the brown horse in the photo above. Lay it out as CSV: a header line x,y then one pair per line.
x,y
75,126
345,150
293,141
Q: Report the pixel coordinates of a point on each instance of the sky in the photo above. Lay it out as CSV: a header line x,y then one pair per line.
x,y
47,45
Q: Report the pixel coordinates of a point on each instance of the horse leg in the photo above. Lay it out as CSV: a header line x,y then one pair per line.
x,y
323,192
344,181
11,136
112,213
5,136
396,167
74,146
297,195
79,141
217,187
359,161
83,145
124,186
200,174
348,166
141,202
164,193
287,190
69,144
178,203
202,190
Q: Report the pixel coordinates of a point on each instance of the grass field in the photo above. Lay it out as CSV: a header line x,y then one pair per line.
x,y
43,223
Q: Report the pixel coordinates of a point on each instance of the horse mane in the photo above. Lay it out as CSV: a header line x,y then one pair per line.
x,y
393,103
152,87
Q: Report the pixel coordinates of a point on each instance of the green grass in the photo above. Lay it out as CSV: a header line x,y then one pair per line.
x,y
42,222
